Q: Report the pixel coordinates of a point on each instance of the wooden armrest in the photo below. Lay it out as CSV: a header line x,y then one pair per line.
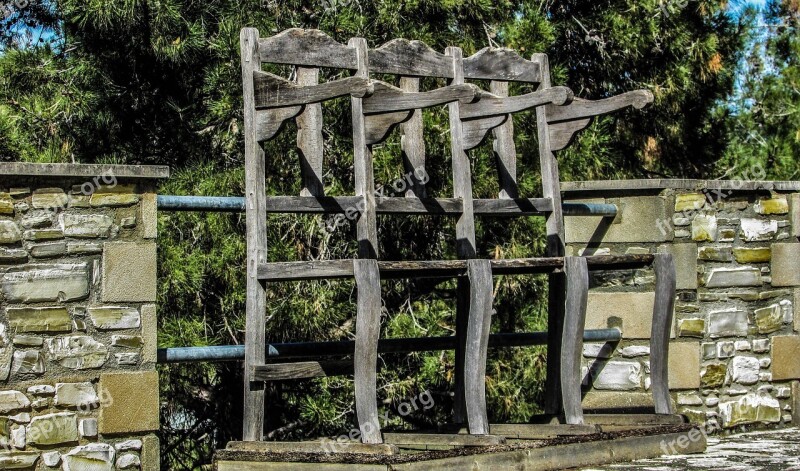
x,y
490,105
580,108
387,98
272,91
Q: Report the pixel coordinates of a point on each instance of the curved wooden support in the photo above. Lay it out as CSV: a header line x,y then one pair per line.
x,y
476,130
477,343
410,58
386,98
664,267
490,105
308,47
368,328
580,108
272,91
577,273
378,126
269,122
501,64
562,134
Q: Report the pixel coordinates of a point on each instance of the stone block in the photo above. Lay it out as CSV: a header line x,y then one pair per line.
x,y
39,319
690,202
684,365
115,317
94,456
727,323
85,226
685,258
38,235
133,402
755,255
795,217
713,376
37,220
50,198
616,375
744,370
149,216
770,319
44,283
642,219
28,362
78,352
732,277
53,429
600,401
756,230
704,228
785,354
774,205
76,395
149,333
18,459
691,327
631,312
598,350
750,408
635,351
51,250
6,204
9,232
151,453
795,404
129,272
84,248
114,196
13,255
718,253
785,263
11,401
726,350
126,341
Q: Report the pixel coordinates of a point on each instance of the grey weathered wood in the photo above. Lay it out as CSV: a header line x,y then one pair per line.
x,y
475,131
501,64
379,126
272,91
298,271
308,47
368,328
366,227
413,58
478,328
577,273
465,232
411,205
386,98
562,134
312,204
412,140
512,207
256,302
269,122
580,108
531,431
505,152
555,245
494,105
451,439
314,447
663,307
300,370
309,137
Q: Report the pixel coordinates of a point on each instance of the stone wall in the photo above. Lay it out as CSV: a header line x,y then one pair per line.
x,y
734,351
78,386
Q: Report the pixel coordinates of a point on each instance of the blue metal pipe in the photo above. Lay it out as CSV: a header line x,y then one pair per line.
x,y
317,349
589,209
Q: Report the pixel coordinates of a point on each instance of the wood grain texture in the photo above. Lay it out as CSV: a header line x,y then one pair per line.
x,y
256,302
410,58
379,126
272,91
307,47
478,328
300,370
580,108
562,134
494,105
366,226
475,131
412,141
386,98
663,308
309,137
368,328
412,205
505,152
501,64
312,204
270,122
577,274
512,207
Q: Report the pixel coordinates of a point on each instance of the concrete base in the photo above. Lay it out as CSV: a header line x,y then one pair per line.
x,y
562,453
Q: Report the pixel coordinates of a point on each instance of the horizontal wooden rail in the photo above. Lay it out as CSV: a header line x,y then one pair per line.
x,y
333,269
286,351
340,205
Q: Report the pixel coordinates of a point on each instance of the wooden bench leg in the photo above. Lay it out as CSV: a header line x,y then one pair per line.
x,y
664,267
577,273
368,328
478,327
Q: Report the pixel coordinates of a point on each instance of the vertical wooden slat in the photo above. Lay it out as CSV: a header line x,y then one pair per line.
x,y
664,266
478,328
505,151
465,229
366,227
309,137
412,143
368,328
256,304
577,273
555,247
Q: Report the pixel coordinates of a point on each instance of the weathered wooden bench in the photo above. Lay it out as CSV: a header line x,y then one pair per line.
x,y
377,108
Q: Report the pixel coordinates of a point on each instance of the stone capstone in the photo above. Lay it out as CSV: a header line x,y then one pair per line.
x,y
77,352
53,429
750,408
91,457
39,319
45,283
111,317
727,323
744,370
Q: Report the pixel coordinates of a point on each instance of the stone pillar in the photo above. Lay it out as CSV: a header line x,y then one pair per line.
x,y
78,384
